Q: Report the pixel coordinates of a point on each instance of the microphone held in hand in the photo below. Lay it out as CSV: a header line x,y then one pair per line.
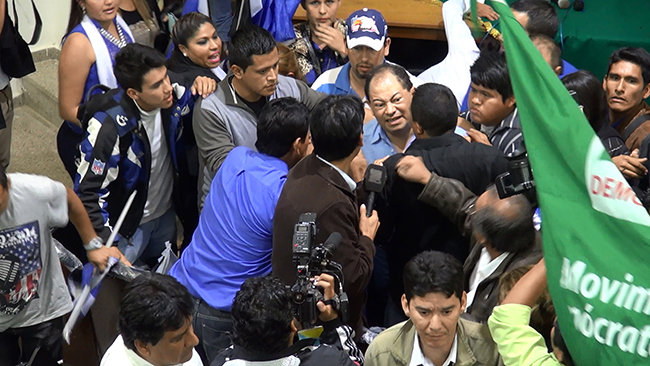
x,y
373,182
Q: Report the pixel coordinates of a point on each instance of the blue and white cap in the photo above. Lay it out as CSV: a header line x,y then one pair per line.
x,y
366,27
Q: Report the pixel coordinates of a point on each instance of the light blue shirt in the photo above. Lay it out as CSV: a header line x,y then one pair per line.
x,y
234,238
376,143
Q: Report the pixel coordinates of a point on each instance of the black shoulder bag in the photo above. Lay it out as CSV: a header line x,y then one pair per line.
x,y
15,56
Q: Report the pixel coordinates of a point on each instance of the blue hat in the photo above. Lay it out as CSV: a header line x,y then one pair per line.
x,y
366,27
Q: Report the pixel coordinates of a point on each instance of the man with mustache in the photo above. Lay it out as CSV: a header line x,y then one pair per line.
x,y
368,43
626,85
228,118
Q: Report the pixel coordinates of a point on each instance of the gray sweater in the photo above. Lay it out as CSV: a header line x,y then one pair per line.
x,y
222,121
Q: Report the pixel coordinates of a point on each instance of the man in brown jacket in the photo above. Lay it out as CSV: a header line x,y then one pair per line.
x,y
502,232
321,184
627,84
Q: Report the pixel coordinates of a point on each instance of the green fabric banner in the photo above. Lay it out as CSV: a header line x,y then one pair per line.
x,y
595,231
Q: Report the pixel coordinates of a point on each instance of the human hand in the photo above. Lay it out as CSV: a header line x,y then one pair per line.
x,y
358,167
478,136
327,283
631,165
368,225
381,161
486,11
99,257
412,169
203,86
331,37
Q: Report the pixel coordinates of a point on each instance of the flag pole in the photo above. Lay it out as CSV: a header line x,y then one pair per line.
x,y
96,277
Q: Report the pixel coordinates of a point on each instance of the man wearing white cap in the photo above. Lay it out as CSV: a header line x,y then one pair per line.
x,y
368,44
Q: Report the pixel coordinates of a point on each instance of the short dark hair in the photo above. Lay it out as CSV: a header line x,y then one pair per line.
x,y
434,108
3,178
387,68
262,314
546,42
588,92
248,41
506,231
336,124
542,17
433,271
490,71
558,341
280,123
635,55
133,61
153,304
187,26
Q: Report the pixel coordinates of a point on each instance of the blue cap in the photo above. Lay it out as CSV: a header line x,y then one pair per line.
x,y
366,27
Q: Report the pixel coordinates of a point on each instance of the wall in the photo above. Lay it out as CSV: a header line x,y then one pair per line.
x,y
54,15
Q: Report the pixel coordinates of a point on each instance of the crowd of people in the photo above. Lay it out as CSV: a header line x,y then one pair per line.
x,y
220,148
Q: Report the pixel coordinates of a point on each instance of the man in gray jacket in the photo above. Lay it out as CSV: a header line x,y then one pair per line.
x,y
433,300
228,117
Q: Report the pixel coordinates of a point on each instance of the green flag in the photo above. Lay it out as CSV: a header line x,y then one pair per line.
x,y
595,231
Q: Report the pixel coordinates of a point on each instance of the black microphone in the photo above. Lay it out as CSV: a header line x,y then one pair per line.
x,y
374,182
332,242
578,5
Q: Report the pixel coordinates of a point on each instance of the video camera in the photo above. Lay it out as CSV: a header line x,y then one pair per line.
x,y
312,260
518,178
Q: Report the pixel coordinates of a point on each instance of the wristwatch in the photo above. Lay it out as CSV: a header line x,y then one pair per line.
x,y
94,243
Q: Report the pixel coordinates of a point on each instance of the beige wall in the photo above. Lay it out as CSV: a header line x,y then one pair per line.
x,y
54,14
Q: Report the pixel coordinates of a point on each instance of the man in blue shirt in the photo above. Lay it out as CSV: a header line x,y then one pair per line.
x,y
234,240
368,44
389,93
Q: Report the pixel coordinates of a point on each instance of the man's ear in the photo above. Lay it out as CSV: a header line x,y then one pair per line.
x,y
558,70
510,102
386,46
463,302
132,93
141,348
360,143
294,326
605,82
405,306
237,71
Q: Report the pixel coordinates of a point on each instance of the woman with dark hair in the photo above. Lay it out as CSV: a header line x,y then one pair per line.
x,y
197,52
96,32
588,92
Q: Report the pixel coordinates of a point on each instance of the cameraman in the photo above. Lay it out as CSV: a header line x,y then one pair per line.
x,y
264,328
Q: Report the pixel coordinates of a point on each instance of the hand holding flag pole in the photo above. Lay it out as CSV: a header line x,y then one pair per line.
x,y
96,277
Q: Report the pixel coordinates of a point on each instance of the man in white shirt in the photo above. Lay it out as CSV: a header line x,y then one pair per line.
x,y
453,70
155,325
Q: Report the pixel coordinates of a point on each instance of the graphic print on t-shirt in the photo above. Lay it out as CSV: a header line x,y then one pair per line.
x,y
20,266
